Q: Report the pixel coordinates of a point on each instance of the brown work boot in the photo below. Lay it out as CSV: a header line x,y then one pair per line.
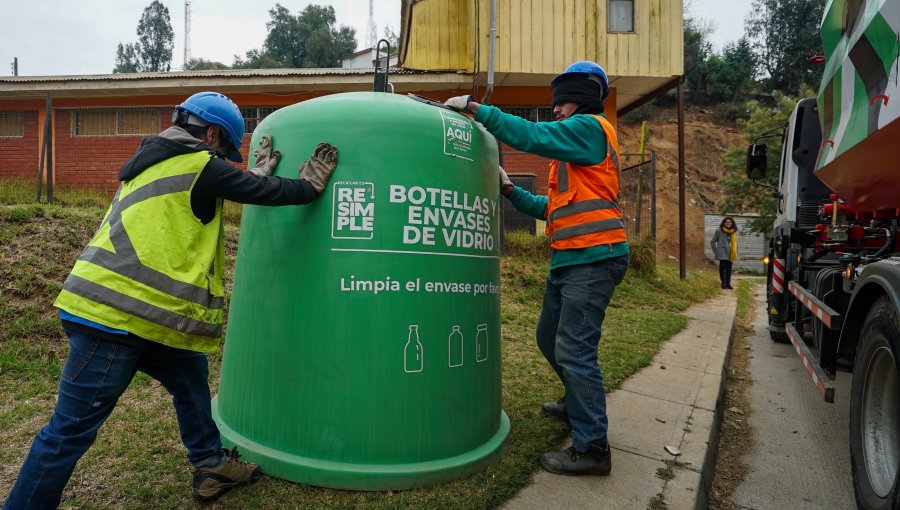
x,y
212,482
597,460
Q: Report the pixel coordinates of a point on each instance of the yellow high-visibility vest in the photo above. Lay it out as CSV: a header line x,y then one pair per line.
x,y
153,268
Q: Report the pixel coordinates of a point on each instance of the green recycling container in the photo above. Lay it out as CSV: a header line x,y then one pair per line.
x,y
363,339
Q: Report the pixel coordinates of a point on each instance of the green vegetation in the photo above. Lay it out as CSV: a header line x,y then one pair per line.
x,y
138,461
156,40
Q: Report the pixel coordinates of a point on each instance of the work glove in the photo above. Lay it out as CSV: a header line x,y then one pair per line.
x,y
506,185
319,167
459,103
266,158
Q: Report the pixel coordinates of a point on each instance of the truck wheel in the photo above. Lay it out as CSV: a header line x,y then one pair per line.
x,y
779,336
875,411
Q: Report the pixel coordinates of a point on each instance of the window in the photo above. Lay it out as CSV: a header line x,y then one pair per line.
x,y
115,121
12,125
621,15
253,116
532,113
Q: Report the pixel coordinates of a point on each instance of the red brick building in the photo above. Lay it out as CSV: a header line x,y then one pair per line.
x,y
97,121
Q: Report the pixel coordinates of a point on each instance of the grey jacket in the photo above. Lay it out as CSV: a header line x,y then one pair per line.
x,y
721,245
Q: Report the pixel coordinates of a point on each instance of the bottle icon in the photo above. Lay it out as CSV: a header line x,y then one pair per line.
x,y
481,343
412,352
455,347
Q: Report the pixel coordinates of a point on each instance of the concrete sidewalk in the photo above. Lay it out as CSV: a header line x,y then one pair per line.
x,y
676,401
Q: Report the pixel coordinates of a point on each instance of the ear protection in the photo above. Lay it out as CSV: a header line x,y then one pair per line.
x,y
180,117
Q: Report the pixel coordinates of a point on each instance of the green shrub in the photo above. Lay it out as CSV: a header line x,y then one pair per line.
x,y
643,255
520,243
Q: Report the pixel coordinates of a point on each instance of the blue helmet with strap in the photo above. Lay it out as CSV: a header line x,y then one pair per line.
x,y
214,108
591,70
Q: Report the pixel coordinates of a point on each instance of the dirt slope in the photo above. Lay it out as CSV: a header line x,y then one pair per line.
x,y
707,140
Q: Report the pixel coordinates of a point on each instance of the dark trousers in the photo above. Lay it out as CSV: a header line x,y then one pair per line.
x,y
95,375
725,273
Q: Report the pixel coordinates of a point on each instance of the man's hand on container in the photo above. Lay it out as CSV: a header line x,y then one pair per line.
x,y
506,185
462,104
319,167
266,158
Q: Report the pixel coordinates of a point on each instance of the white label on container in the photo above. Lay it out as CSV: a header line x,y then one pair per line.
x,y
446,218
353,212
457,135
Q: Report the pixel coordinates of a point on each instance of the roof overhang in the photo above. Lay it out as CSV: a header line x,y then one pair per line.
x,y
629,90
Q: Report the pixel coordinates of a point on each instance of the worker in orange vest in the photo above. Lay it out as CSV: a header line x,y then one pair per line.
x,y
589,250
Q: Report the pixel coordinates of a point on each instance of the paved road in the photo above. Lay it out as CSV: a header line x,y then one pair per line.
x,y
800,458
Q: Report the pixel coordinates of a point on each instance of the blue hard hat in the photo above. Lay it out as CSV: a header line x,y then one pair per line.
x,y
216,108
592,70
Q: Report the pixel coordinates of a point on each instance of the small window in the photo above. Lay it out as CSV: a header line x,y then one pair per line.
x,y
254,115
621,15
115,122
12,125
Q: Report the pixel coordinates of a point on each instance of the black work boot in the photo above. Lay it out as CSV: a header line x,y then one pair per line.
x,y
556,409
596,461
212,482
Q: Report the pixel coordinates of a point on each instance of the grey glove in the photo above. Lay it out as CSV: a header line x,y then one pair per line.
x,y
506,185
459,103
319,167
266,158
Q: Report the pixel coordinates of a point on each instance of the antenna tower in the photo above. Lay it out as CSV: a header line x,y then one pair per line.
x,y
187,32
371,35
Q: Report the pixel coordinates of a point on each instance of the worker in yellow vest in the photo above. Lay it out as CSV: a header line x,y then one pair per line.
x,y
147,294
589,251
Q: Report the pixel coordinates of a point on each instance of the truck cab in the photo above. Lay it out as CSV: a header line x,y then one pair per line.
x,y
800,196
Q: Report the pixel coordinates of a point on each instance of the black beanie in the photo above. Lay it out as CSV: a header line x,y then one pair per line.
x,y
581,90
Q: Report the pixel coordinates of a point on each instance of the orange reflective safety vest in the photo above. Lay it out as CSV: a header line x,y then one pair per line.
x,y
583,206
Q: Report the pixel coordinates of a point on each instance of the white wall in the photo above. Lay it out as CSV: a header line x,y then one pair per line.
x,y
751,247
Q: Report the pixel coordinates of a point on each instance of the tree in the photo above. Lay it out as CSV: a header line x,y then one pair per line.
x,y
393,39
729,77
126,59
309,39
742,195
697,50
200,64
783,34
153,51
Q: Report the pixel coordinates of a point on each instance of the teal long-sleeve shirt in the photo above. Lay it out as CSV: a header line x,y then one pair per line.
x,y
579,140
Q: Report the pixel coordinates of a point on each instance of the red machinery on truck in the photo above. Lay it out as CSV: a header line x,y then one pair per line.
x,y
833,272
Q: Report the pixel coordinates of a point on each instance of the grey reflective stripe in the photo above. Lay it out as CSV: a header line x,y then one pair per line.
x,y
176,322
151,277
583,206
117,234
587,228
562,176
125,260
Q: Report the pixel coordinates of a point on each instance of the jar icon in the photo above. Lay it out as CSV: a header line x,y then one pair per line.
x,y
481,343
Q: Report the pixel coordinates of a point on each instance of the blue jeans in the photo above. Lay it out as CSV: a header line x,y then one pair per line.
x,y
96,373
568,334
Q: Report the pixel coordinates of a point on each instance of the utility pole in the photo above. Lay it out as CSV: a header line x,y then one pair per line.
x,y
187,33
15,66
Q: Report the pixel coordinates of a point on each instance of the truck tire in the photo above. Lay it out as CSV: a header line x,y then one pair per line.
x,y
780,337
875,411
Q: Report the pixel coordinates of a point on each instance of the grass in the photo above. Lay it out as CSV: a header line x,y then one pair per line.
x,y
138,461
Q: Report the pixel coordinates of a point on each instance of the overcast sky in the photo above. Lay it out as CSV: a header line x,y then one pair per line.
x,y
52,37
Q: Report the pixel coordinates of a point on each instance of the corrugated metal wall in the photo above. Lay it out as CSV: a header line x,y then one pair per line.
x,y
751,247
